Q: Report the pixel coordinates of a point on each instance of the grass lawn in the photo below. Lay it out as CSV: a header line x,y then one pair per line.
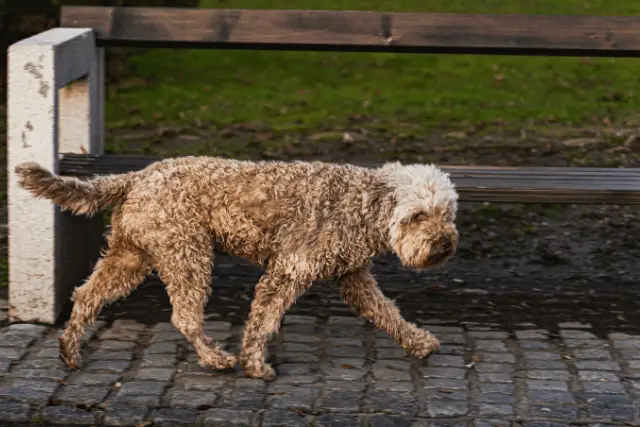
x,y
410,95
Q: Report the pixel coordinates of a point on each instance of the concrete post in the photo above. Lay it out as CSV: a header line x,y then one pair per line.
x,y
55,105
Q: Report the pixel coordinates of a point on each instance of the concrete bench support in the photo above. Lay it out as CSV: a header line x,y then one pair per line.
x,y
55,105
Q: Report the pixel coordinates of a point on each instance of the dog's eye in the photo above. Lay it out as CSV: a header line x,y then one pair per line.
x,y
420,216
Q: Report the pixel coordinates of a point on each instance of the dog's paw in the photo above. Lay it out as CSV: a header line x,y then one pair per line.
x,y
264,371
422,344
220,361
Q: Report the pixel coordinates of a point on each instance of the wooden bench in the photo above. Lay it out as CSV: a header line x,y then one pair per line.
x,y
61,125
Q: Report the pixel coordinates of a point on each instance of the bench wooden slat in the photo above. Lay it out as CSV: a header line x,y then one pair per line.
x,y
474,183
359,31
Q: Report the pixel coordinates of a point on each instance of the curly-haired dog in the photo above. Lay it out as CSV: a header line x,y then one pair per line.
x,y
301,221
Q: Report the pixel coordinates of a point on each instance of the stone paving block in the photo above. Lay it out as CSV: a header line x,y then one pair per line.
x,y
489,335
12,353
81,395
170,417
443,360
603,387
219,417
390,402
496,387
341,401
94,379
284,396
437,372
27,329
391,374
497,398
125,415
490,377
495,368
156,374
142,401
17,341
577,334
452,339
577,343
24,394
344,386
550,396
339,374
402,387
445,383
66,415
498,358
5,364
455,350
445,409
112,355
192,399
534,345
337,420
547,385
391,353
128,324
494,409
443,394
543,365
15,412
491,423
541,355
537,374
113,345
158,361
161,348
242,399
553,412
633,344
597,376
108,366
591,354
279,418
597,365
151,388
532,334
491,346
387,421
48,353
120,335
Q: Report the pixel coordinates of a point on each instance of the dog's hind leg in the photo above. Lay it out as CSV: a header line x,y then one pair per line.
x,y
360,291
186,271
118,273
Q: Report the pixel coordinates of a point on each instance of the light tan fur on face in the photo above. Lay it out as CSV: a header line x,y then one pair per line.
x,y
301,221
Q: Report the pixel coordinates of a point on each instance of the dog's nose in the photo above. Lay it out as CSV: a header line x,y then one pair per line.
x,y
448,245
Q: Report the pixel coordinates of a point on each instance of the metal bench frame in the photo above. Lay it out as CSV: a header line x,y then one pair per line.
x,y
56,100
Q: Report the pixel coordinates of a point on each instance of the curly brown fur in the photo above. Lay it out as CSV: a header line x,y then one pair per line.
x,y
301,221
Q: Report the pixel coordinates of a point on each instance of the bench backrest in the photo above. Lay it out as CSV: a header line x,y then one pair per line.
x,y
548,35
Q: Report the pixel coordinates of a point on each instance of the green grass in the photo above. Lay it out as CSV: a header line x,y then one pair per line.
x,y
409,94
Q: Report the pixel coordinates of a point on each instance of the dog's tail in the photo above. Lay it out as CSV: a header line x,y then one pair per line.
x,y
80,197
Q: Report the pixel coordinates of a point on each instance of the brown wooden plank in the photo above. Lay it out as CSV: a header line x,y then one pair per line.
x,y
360,31
542,185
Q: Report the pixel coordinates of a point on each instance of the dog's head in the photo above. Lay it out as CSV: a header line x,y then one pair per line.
x,y
422,231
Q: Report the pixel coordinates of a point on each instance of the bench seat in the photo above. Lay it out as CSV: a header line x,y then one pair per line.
x,y
474,183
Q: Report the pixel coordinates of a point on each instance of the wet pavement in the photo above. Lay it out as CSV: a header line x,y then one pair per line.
x,y
547,354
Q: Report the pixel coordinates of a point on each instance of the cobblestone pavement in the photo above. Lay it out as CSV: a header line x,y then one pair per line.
x,y
526,357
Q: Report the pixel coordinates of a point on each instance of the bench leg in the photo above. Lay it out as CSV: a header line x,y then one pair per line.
x,y
55,105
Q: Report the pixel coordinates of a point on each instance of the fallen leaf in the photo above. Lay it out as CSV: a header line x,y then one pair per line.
x,y
476,359
346,366
445,391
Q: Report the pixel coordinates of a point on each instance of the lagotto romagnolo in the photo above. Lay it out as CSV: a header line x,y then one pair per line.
x,y
301,221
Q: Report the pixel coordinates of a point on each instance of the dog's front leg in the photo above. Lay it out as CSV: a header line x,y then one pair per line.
x,y
273,297
360,291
